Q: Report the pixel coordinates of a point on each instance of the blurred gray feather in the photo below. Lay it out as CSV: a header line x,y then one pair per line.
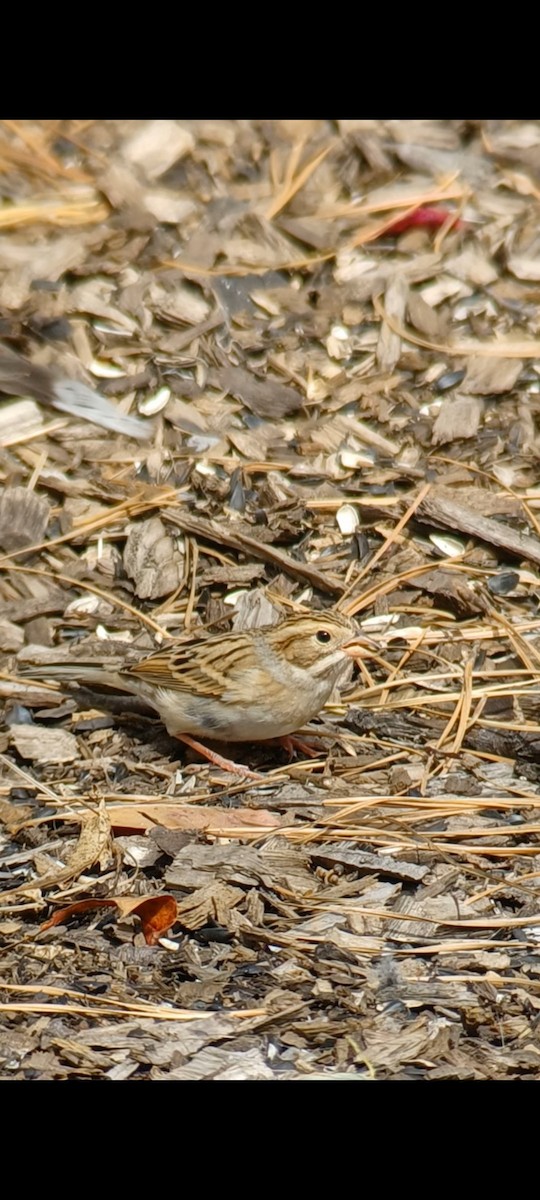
x,y
19,377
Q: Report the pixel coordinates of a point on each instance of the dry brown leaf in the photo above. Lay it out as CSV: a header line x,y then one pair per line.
x,y
182,304
156,913
14,815
94,845
29,260
392,1044
217,821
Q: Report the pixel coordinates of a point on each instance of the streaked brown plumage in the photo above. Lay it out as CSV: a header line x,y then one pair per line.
x,y
246,686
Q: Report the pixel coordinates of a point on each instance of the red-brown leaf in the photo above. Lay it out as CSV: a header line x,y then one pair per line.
x,y
156,913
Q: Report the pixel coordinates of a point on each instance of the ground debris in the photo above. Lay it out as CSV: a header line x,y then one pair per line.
x,y
323,336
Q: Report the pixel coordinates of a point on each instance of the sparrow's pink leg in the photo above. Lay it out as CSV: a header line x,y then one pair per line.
x,y
218,760
292,743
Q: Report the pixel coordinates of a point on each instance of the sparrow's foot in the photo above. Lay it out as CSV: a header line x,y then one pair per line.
x,y
218,760
292,745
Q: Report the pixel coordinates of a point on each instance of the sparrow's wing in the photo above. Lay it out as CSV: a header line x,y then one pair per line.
x,y
202,666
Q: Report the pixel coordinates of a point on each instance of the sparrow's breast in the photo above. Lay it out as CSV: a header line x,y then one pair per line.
x,y
251,716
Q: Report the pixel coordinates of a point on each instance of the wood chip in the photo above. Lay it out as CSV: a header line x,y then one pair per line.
x,y
24,517
489,376
214,532
11,636
459,417
152,559
329,331
425,318
157,145
43,745
367,863
395,302
440,509
265,397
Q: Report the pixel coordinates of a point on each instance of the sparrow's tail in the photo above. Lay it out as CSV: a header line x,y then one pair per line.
x,y
19,377
82,673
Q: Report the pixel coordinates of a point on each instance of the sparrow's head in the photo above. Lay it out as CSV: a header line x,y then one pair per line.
x,y
319,642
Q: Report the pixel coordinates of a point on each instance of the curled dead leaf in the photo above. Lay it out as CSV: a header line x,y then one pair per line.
x,y
156,913
93,846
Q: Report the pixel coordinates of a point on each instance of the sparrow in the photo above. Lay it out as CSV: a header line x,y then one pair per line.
x,y
244,686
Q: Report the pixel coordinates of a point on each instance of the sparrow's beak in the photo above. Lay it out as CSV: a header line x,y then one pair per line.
x,y
360,647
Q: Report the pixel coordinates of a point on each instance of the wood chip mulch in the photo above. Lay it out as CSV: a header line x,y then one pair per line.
x,y
247,368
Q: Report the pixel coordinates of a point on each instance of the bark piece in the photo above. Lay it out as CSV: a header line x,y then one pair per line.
x,y
264,397
440,509
489,376
24,517
152,560
44,745
459,417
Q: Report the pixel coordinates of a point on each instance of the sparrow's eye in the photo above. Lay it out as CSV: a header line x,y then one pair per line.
x,y
323,635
